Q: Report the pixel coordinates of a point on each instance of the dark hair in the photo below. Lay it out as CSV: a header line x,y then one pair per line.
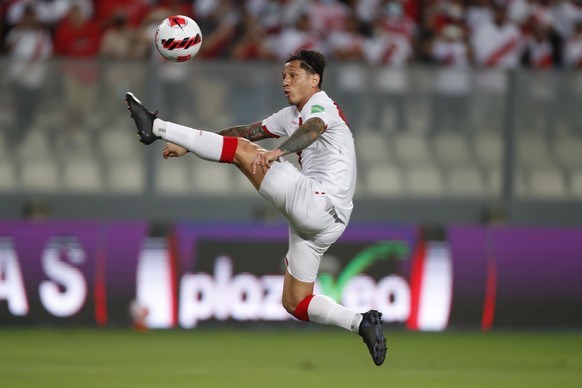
x,y
311,61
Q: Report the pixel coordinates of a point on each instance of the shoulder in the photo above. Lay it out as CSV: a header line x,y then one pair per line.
x,y
282,118
318,103
322,106
287,112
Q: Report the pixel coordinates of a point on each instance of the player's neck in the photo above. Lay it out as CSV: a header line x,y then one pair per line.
x,y
307,98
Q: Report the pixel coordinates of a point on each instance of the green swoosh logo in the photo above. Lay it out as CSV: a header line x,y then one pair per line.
x,y
383,250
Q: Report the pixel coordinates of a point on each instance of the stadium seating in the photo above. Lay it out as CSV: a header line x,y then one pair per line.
x,y
547,182
8,178
465,181
172,177
382,181
417,162
125,177
40,175
532,150
211,178
451,148
425,181
576,183
83,176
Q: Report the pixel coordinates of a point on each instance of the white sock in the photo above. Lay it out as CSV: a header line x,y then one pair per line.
x,y
206,145
322,309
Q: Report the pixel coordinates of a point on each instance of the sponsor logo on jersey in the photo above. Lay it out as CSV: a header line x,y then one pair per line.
x,y
317,109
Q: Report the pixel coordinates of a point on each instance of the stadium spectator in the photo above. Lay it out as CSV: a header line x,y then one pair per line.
x,y
219,27
296,35
497,43
106,11
365,10
120,43
77,40
435,17
518,11
477,13
538,56
573,49
317,201
448,13
452,80
497,46
346,46
395,20
538,49
390,53
29,45
270,14
566,14
327,16
120,39
251,44
176,7
573,85
49,12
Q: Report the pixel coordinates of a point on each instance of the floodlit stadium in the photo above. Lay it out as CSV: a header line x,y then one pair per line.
x,y
120,268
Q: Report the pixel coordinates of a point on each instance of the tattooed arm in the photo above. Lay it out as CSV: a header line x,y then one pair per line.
x,y
302,138
252,132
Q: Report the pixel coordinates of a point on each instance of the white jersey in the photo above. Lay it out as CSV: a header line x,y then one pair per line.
x,y
497,46
331,160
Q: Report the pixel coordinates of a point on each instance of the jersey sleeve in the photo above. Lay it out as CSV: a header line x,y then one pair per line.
x,y
320,109
275,124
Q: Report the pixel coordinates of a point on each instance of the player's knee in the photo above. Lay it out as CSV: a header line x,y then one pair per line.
x,y
289,304
246,147
245,151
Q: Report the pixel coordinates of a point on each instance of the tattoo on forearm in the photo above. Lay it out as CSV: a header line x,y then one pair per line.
x,y
303,137
252,132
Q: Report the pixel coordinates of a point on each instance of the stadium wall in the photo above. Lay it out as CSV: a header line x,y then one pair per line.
x,y
195,275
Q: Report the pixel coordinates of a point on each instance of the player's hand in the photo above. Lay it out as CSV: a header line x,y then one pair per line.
x,y
173,151
264,159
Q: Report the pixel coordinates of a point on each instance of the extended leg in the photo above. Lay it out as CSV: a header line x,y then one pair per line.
x,y
206,145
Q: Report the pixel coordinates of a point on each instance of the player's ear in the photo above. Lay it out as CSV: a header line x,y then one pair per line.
x,y
315,80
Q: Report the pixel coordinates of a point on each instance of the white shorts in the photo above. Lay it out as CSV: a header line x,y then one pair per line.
x,y
313,223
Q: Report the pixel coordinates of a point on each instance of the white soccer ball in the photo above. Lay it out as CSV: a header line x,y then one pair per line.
x,y
178,38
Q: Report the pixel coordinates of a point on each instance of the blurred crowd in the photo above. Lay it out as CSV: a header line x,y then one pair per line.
x,y
452,33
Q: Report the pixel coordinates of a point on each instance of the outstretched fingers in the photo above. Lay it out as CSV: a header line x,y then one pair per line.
x,y
173,151
261,160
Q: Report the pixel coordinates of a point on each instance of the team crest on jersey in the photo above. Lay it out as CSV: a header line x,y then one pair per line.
x,y
317,109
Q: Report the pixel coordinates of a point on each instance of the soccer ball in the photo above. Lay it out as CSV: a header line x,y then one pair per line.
x,y
178,38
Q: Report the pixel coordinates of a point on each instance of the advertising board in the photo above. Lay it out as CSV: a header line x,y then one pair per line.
x,y
91,272
69,272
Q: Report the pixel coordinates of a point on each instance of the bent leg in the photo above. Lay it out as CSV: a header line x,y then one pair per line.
x,y
243,157
294,292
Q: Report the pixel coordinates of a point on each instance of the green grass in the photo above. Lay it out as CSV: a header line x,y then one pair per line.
x,y
289,358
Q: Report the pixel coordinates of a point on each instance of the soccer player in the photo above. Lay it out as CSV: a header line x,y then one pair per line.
x,y
317,201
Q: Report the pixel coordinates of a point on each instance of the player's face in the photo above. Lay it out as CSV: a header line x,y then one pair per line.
x,y
298,84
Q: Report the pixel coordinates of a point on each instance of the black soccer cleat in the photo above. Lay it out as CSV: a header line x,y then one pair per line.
x,y
144,119
371,331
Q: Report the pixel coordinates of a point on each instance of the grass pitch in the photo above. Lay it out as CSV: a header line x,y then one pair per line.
x,y
288,358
